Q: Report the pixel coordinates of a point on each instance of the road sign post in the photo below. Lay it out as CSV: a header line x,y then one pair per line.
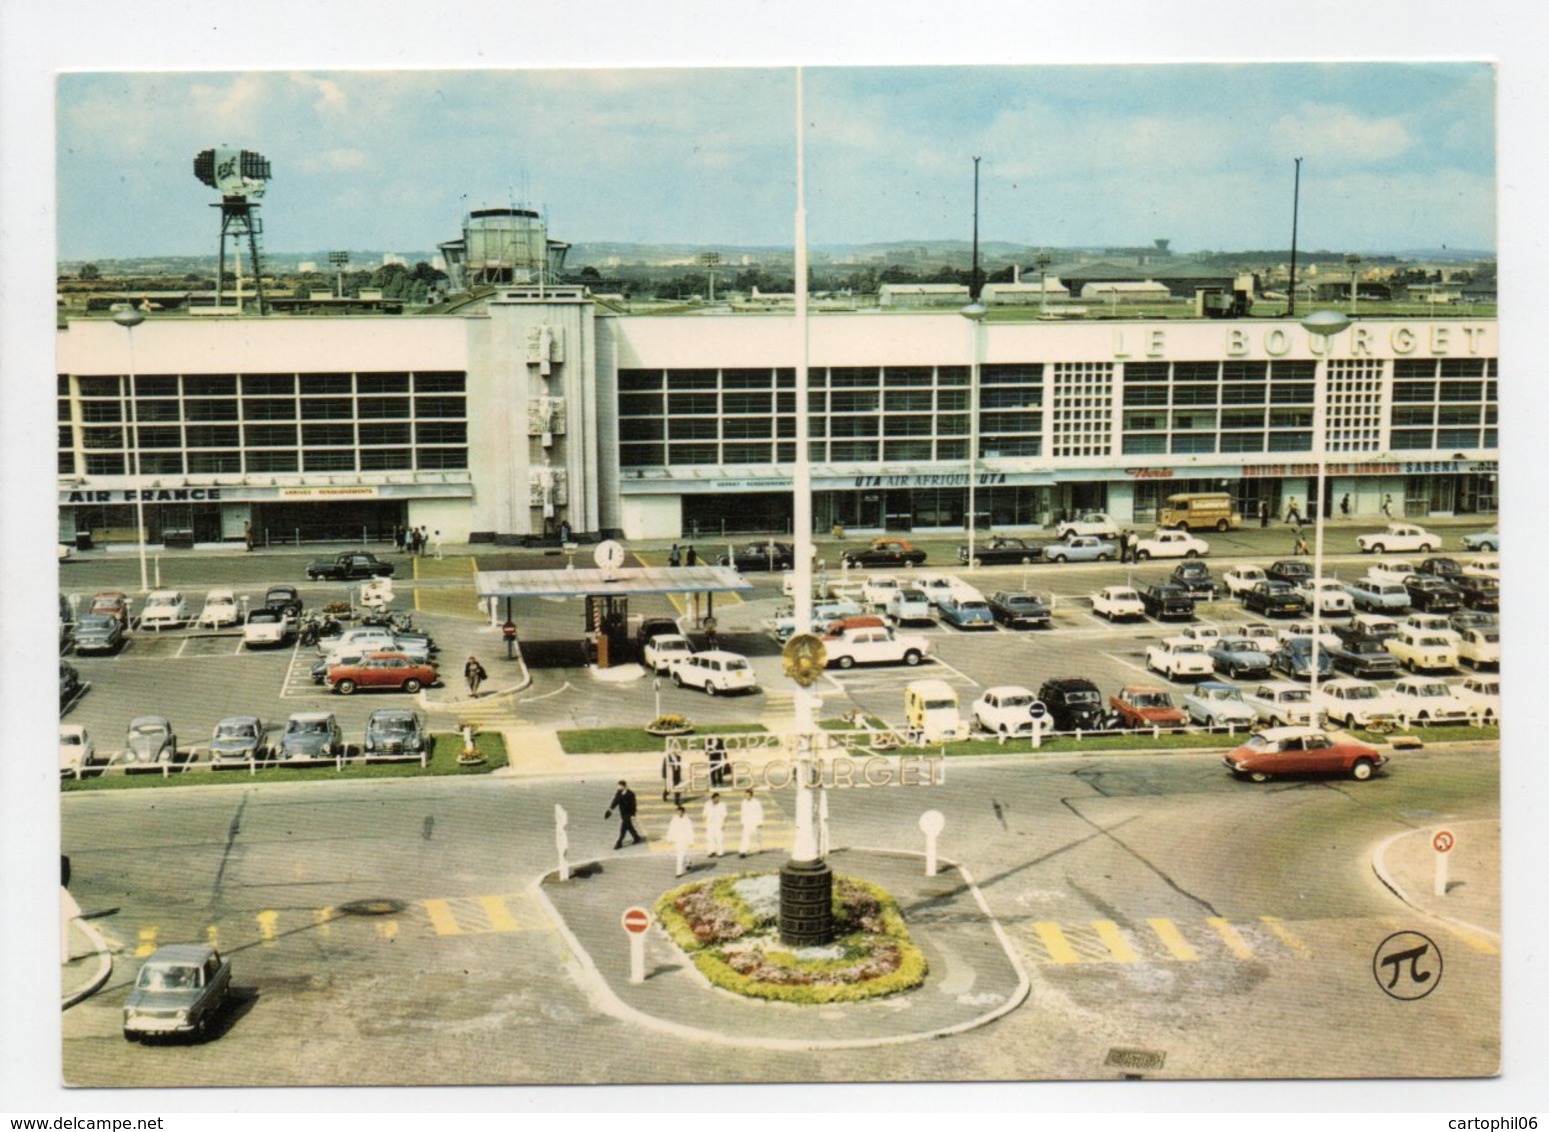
x,y
1443,843
1041,721
636,921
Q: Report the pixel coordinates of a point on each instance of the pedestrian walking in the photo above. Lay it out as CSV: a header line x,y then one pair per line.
x,y
398,537
624,802
1387,506
752,818
1301,543
691,556
672,776
715,749
438,544
424,541
680,834
1132,545
715,826
474,673
247,535
1344,506
674,556
1263,513
1293,513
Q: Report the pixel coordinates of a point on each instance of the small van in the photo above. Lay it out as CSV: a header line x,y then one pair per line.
x,y
931,711
1195,512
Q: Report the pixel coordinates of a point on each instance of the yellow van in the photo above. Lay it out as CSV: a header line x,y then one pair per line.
x,y
931,711
1196,512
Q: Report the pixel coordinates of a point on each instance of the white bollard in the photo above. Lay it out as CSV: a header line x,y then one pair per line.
x,y
932,822
562,840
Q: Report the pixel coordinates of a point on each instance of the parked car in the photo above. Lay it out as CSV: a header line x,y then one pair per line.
x,y
822,613
1019,610
1080,548
320,667
1001,551
1302,750
1074,703
1480,648
1375,594
1144,706
878,588
1374,625
714,671
1482,693
1266,636
1274,599
966,613
909,604
285,599
885,552
76,750
1288,570
381,670
760,556
1403,537
70,683
1194,576
940,587
1163,600
394,733
1478,593
1466,619
652,627
1327,593
238,738
1240,658
1418,649
876,646
111,603
1178,657
1090,523
163,609
377,638
663,650
1363,655
1423,699
1004,710
1119,603
150,741
267,627
1358,703
1483,540
97,632
1209,634
349,566
931,712
180,989
1214,704
1295,659
220,610
1171,544
1395,570
1432,595
311,735
1239,579
1281,703
1485,566
836,629
1444,568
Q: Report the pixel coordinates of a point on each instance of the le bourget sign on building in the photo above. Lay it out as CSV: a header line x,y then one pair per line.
x,y
837,760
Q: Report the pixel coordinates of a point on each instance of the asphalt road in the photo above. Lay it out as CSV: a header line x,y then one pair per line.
x,y
382,932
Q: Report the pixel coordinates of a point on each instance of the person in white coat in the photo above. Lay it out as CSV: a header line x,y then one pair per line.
x,y
715,826
680,834
752,816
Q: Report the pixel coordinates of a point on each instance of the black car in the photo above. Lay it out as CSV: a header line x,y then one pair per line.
x,y
1464,620
348,567
395,733
1364,656
1274,598
96,632
1195,577
885,552
1001,552
1074,704
1164,600
1478,593
283,600
760,556
1432,595
1020,610
69,683
1289,571
1447,569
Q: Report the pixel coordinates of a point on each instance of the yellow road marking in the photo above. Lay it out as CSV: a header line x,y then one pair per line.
x,y
414,568
500,918
1114,940
387,929
1173,940
147,943
1239,946
322,919
212,936
1055,943
441,918
266,921
1283,933
1478,943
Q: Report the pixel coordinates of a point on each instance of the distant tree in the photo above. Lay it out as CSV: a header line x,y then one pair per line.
x,y
590,272
90,272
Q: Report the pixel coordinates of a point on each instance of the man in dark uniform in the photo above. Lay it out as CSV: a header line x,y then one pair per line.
x,y
624,803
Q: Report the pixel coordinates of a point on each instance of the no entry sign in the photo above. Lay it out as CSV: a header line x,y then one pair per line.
x,y
636,920
1443,841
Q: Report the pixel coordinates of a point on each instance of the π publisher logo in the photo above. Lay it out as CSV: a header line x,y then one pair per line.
x,y
1407,965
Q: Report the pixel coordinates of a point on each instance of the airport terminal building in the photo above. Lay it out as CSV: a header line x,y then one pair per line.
x,y
541,406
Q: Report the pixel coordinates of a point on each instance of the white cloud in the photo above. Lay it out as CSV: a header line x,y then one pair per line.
x,y
1339,134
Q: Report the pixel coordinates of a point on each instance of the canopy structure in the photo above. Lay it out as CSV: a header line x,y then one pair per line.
x,y
610,583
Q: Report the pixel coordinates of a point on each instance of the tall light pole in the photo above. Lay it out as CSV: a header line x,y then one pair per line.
x,y
974,313
1042,263
1353,261
1296,200
1324,325
129,318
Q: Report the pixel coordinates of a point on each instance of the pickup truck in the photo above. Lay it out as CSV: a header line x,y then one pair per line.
x,y
347,567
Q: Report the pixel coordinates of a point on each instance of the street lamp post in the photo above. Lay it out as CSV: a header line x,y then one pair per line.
x,y
1353,261
129,318
974,313
1324,325
1042,262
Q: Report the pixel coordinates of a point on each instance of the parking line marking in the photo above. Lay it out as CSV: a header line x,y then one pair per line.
x,y
1114,940
500,918
267,919
1231,937
212,936
1055,943
441,918
1173,940
1301,950
147,942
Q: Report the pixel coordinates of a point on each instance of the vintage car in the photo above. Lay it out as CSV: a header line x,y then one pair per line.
x,y
877,588
1004,710
70,683
1485,566
283,598
665,648
76,751
238,738
1080,548
1074,703
909,604
822,613
163,609
1360,654
1421,649
1328,594
1000,551
940,587
876,646
1465,619
1295,659
1432,595
1178,657
1394,570
1274,599
380,670
1403,537
1444,568
966,612
1374,625
111,603
1194,576
1480,648
715,671
885,552
377,638
1118,603
1358,703
752,556
1171,544
311,735
180,989
1301,750
1289,570
1017,609
1483,540
1280,703
1090,523
150,741
1482,693
267,627
1214,704
97,632
1163,600
1478,593
1424,699
1241,658
1376,594
220,609
1144,706
349,566
395,733
1239,579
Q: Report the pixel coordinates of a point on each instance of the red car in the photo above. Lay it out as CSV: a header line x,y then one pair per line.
x,y
1302,750
112,603
1144,706
380,670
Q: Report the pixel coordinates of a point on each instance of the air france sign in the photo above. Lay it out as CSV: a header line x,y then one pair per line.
x,y
148,495
1363,341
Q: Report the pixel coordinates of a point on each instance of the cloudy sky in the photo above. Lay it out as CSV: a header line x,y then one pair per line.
x,y
1395,155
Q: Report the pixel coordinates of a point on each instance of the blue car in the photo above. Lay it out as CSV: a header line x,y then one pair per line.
x,y
1240,657
1483,540
967,613
1295,659
1080,548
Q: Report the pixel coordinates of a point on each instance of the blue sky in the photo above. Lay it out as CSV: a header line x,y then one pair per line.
x,y
1395,155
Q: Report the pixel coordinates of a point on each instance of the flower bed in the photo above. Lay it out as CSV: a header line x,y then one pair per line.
x,y
730,928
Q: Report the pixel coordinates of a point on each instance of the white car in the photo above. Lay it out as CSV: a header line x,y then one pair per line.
x,y
1239,579
909,604
1171,544
1091,523
1405,537
164,609
938,587
1358,703
76,750
1482,693
1209,634
876,646
1177,657
1480,647
1397,571
220,609
1485,566
1004,710
665,649
1216,704
877,589
1118,602
1415,649
715,671
1422,700
1374,625
1329,593
1483,540
1432,623
1265,636
1327,641
1281,703
268,627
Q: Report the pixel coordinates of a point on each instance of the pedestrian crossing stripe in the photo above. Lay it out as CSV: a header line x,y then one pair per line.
x,y
1105,941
